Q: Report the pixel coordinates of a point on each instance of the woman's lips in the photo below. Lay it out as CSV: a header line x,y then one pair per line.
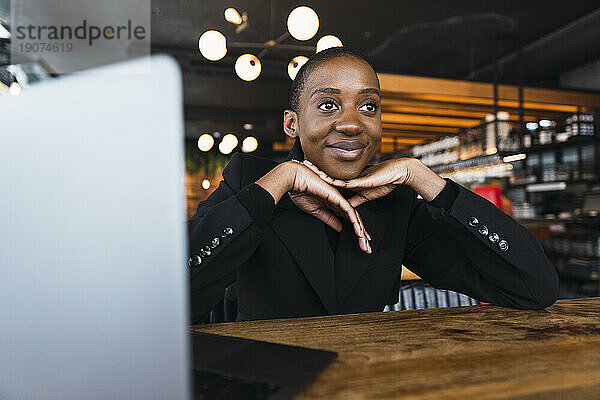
x,y
344,154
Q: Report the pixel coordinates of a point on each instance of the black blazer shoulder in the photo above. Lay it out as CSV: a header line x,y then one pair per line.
x,y
244,169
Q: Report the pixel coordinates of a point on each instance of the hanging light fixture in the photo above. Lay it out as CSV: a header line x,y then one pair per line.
x,y
228,143
14,89
205,142
249,144
303,23
295,65
213,45
327,42
232,15
248,67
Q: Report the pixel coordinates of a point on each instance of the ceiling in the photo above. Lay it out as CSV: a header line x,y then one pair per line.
x,y
456,39
450,39
447,39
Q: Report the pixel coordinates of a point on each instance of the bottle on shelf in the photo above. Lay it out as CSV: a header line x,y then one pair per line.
x,y
546,131
581,124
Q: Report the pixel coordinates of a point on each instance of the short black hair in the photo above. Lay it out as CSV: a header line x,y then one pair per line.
x,y
313,62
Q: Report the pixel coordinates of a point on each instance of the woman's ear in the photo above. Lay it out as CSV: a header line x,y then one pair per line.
x,y
290,123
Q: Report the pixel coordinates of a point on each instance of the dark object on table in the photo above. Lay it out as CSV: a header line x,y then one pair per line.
x,y
226,367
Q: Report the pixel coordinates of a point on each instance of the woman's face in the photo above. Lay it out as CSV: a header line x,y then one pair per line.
x,y
339,121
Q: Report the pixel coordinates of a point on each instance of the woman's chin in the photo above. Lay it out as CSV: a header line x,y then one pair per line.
x,y
344,173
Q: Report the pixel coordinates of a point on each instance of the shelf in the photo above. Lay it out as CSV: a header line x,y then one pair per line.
x,y
574,140
569,255
591,278
568,182
483,160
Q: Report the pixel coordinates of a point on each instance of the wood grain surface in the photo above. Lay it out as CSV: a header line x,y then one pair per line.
x,y
476,352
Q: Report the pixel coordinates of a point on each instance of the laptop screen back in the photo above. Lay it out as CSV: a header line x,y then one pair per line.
x,y
93,293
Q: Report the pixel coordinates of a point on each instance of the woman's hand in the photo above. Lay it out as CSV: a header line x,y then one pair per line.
x,y
314,196
379,180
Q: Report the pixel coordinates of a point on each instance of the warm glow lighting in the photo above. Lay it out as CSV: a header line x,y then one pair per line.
x,y
205,142
327,42
295,65
491,151
247,67
232,15
249,144
303,23
14,89
230,140
224,149
515,157
205,184
546,187
213,45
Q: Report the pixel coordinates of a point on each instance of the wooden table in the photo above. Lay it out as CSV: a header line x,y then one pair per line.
x,y
476,352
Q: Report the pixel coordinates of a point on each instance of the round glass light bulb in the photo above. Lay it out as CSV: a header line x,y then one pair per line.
x,y
205,142
230,140
14,89
327,42
232,15
303,23
205,184
249,144
247,67
213,45
295,65
223,148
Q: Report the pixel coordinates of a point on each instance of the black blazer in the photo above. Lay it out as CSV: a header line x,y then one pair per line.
x,y
286,268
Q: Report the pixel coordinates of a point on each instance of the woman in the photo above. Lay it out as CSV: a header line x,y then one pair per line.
x,y
321,234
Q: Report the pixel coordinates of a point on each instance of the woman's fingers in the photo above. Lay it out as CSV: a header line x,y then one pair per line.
x,y
357,200
366,236
322,189
324,176
357,223
328,218
317,171
335,199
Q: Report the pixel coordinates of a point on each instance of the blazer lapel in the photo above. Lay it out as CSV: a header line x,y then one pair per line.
x,y
305,238
312,251
350,261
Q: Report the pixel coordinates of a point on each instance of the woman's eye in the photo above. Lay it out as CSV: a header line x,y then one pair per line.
x,y
327,106
369,107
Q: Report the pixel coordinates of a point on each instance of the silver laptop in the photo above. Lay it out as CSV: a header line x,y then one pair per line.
x,y
92,243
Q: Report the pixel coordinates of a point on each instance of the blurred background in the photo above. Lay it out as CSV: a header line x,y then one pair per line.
x,y
502,97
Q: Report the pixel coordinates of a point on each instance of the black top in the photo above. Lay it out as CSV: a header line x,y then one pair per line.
x,y
287,263
254,198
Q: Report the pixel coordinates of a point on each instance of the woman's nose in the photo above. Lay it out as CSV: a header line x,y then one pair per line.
x,y
348,123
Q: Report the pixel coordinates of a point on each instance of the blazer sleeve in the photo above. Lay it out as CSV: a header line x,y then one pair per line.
x,y
476,249
222,235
